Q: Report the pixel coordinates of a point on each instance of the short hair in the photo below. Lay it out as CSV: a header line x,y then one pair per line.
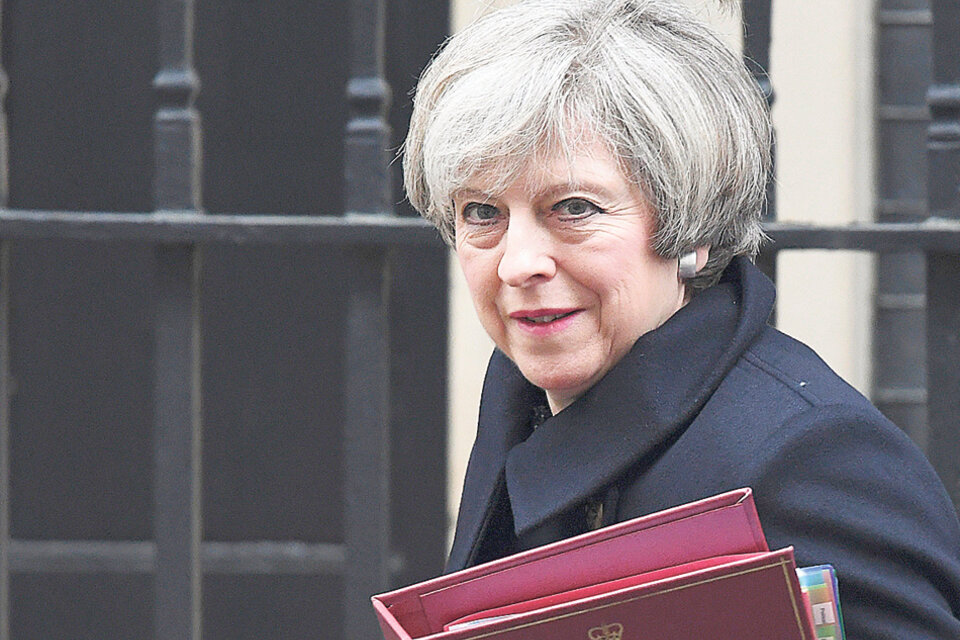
x,y
673,104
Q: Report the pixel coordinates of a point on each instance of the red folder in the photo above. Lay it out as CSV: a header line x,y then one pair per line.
x,y
701,570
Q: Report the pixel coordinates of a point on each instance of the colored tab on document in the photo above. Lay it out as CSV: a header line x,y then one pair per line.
x,y
819,587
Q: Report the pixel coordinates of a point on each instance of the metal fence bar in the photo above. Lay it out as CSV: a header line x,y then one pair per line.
x,y
943,270
82,556
899,306
756,45
218,558
366,160
177,445
366,443
943,137
177,152
177,412
4,440
191,227
4,357
274,558
756,53
931,235
367,361
387,231
906,17
943,368
4,134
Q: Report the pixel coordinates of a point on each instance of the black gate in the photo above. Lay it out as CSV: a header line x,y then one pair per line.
x,y
223,412
303,470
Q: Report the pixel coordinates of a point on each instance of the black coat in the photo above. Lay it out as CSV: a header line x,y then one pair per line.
x,y
715,400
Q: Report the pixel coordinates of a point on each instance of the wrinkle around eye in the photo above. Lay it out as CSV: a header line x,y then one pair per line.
x,y
470,213
590,208
479,235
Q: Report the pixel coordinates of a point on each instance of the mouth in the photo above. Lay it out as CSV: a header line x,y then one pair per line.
x,y
542,316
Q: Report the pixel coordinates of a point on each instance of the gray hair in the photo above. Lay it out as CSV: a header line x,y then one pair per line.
x,y
672,103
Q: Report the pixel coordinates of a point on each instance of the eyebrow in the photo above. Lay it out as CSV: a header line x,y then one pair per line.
x,y
551,191
472,193
555,190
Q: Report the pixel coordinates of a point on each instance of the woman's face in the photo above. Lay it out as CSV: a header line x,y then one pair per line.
x,y
561,270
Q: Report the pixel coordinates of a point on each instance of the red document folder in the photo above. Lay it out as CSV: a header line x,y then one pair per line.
x,y
698,571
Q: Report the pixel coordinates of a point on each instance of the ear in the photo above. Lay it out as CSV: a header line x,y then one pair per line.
x,y
703,254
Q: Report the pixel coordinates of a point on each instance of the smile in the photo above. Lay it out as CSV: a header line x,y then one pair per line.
x,y
542,322
546,319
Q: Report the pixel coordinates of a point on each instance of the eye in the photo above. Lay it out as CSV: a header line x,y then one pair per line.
x,y
576,208
480,213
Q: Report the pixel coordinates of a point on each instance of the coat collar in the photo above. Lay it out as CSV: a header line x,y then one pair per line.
x,y
645,401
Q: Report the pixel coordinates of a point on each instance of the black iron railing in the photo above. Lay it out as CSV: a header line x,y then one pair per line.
x,y
179,230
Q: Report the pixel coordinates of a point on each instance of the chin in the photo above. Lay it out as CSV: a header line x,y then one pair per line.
x,y
560,385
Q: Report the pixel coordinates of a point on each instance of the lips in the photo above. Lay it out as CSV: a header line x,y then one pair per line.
x,y
539,320
545,319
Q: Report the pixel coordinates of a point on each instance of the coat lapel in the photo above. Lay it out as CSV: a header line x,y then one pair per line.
x,y
506,418
628,417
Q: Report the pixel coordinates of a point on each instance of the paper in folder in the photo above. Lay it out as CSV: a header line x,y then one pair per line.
x,y
701,570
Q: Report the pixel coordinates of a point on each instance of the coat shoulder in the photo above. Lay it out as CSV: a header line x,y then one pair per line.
x,y
787,367
780,384
831,476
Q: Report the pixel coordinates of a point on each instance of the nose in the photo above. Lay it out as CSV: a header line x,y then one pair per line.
x,y
528,255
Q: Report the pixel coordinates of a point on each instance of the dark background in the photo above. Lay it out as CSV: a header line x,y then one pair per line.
x,y
273,111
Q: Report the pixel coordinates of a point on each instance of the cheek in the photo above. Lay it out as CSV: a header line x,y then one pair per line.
x,y
659,294
639,294
479,269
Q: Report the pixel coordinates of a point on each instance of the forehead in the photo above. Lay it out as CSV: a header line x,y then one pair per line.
x,y
589,166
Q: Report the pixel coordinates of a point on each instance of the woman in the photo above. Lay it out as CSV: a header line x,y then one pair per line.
x,y
599,166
